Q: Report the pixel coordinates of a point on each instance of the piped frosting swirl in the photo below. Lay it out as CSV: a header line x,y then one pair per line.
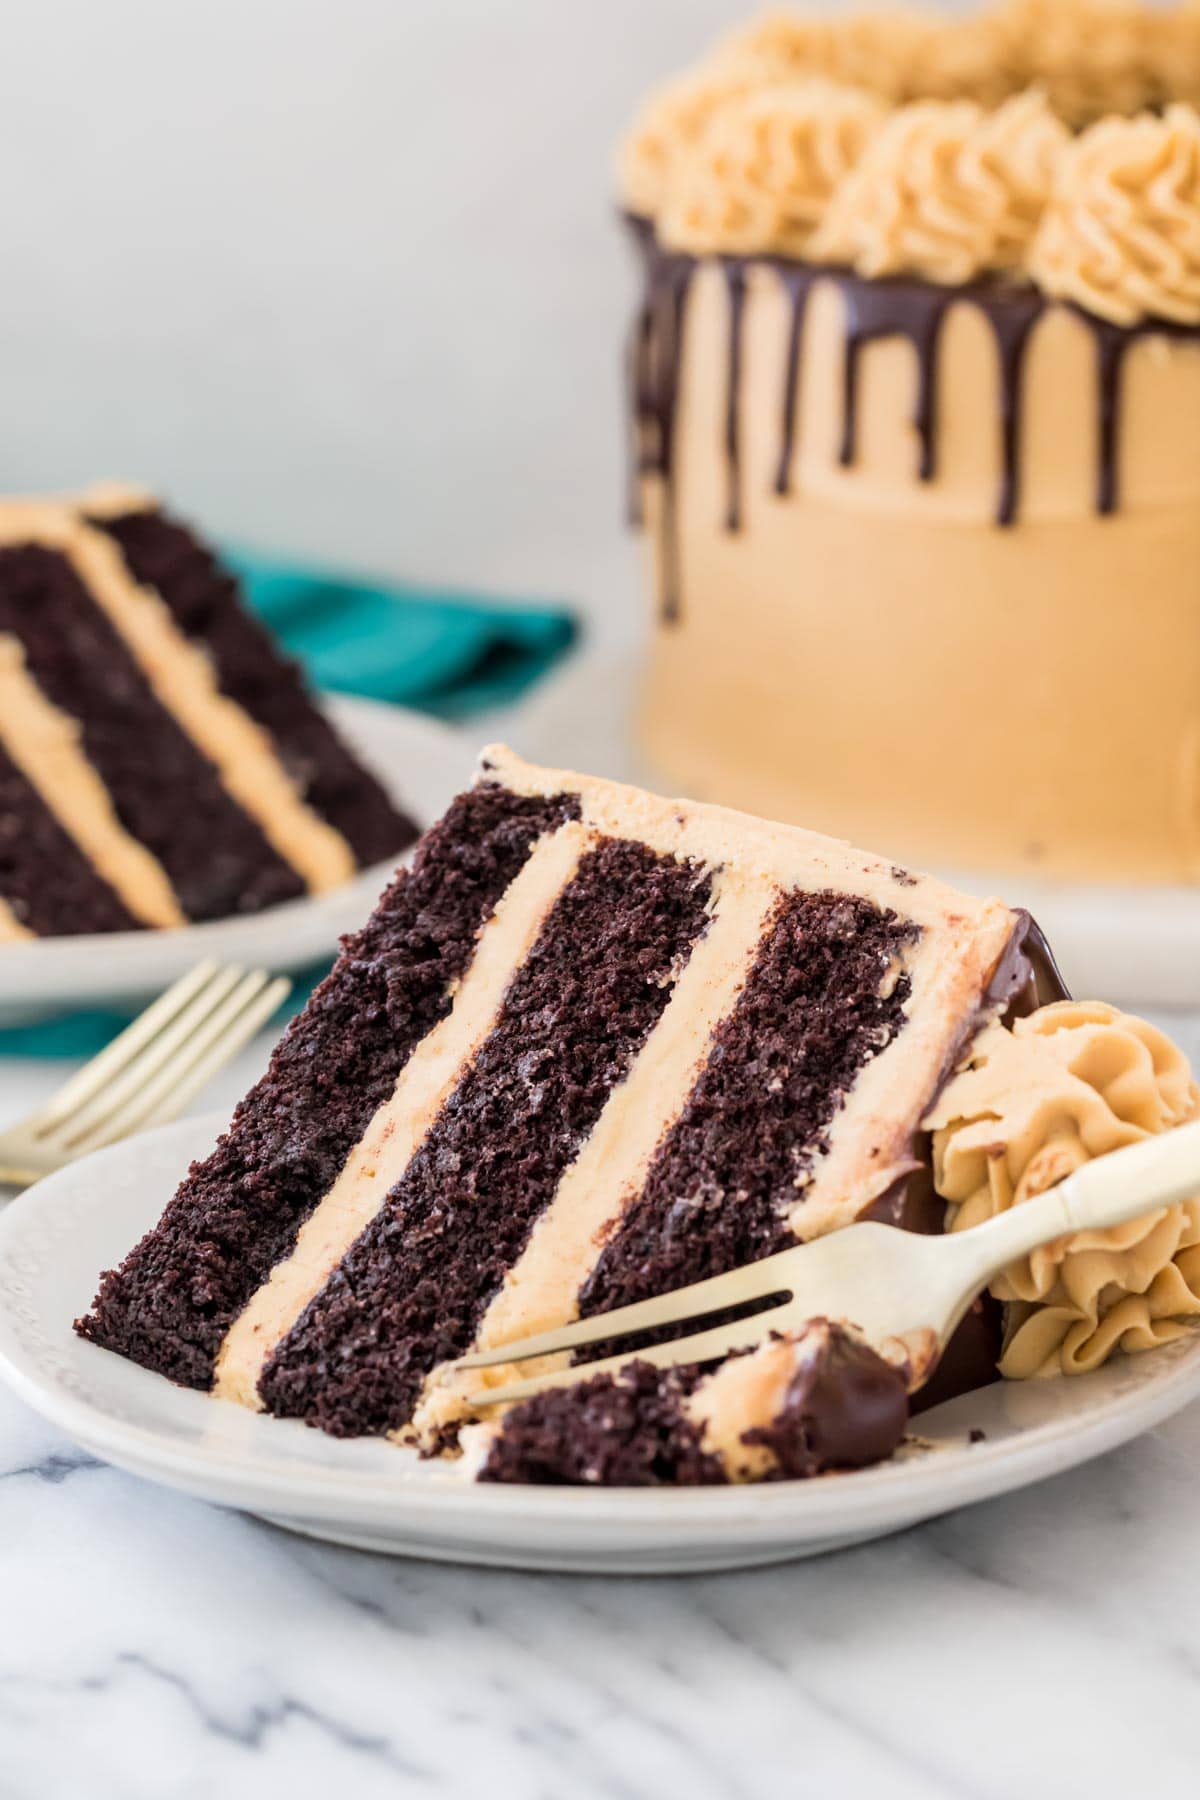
x,y
1091,57
1121,235
896,143
945,190
670,122
881,51
761,175
1032,1105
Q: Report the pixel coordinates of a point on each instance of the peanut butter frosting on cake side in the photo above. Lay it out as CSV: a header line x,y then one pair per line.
x,y
910,338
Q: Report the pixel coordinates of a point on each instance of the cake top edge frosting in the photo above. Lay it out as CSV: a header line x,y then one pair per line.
x,y
759,849
1051,143
98,500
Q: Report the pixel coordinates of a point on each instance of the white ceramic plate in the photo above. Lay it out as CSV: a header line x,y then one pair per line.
x,y
56,1238
421,762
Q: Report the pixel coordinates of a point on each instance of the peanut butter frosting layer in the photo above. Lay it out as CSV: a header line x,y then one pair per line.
x,y
867,1147
1033,1104
898,144
586,1209
402,1122
945,967
45,744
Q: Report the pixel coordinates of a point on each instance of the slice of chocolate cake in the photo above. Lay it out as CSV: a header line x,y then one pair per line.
x,y
592,1045
160,760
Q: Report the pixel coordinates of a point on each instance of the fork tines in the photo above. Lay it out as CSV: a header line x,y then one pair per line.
x,y
150,1072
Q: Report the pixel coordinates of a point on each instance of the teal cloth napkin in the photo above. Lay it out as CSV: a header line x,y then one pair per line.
x,y
447,654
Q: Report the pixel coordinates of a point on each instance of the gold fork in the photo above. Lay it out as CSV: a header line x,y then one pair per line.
x,y
148,1074
904,1292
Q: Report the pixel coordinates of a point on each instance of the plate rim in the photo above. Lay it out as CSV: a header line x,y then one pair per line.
x,y
885,1497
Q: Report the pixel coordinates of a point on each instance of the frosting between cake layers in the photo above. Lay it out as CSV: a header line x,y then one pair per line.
x,y
539,1290
961,941
182,679
1121,235
1031,1105
44,743
387,1146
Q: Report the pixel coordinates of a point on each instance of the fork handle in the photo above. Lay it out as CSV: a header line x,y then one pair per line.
x,y
1159,1172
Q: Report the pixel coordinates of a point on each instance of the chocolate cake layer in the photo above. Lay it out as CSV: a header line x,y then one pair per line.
x,y
48,882
238,1213
623,1430
814,1010
165,793
205,603
411,1292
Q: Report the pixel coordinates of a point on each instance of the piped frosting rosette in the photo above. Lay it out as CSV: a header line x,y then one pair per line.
x,y
1091,57
672,119
883,50
761,174
1121,235
1030,1106
946,190
898,144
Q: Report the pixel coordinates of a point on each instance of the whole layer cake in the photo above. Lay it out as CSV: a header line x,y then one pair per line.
x,y
915,382
595,1045
160,760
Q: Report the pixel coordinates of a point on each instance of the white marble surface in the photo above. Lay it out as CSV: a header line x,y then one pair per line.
x,y
154,1648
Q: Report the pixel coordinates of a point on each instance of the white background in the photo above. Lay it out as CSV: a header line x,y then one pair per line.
x,y
340,276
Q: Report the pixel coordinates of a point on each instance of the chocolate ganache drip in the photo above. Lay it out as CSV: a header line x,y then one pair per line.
x,y
656,362
1025,978
735,276
875,309
883,309
799,284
